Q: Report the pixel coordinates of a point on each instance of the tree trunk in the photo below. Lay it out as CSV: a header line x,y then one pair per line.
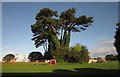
x,y
68,39
61,37
50,48
64,39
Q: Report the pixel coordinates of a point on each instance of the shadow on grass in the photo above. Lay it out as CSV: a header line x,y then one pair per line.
x,y
80,72
87,72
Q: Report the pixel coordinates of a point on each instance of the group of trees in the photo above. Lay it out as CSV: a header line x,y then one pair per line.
x,y
77,53
53,31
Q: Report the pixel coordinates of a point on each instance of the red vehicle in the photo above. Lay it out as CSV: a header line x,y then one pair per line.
x,y
52,61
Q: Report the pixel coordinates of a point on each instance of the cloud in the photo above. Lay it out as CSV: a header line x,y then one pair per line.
x,y
8,52
106,43
103,47
102,51
104,38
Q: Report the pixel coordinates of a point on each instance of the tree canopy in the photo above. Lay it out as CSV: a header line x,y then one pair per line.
x,y
8,57
33,56
49,26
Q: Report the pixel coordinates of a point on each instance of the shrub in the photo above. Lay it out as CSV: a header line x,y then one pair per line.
x,y
111,57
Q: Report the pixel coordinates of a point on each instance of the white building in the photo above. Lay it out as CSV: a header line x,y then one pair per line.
x,y
21,58
92,60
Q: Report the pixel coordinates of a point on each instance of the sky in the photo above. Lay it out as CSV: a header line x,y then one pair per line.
x,y
17,18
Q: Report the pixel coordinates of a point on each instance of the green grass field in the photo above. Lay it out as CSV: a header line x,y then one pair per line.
x,y
42,67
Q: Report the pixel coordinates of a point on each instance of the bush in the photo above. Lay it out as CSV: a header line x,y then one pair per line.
x,y
75,54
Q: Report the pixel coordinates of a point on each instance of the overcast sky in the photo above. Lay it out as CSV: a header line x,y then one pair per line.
x,y
99,37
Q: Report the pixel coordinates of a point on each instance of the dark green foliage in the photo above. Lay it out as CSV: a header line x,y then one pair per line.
x,y
117,40
47,55
44,27
77,53
84,54
63,54
73,57
111,57
71,23
60,59
8,57
46,12
45,30
33,56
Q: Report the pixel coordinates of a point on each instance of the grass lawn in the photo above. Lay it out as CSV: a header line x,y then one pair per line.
x,y
42,67
65,68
